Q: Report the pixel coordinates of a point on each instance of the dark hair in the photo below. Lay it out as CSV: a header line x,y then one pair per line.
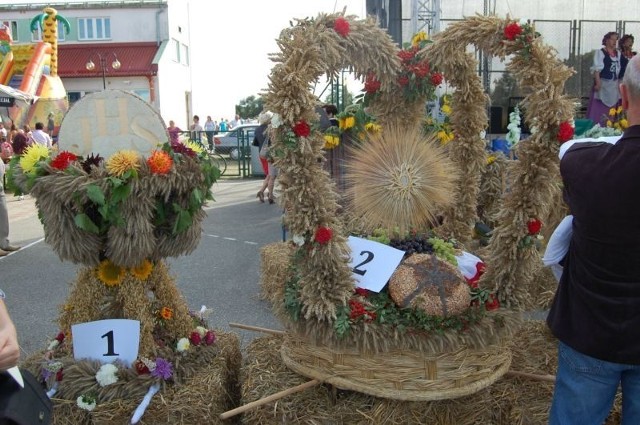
x,y
331,109
608,36
623,39
19,143
196,118
39,126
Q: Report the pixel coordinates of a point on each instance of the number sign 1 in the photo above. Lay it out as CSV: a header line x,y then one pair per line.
x,y
107,340
372,263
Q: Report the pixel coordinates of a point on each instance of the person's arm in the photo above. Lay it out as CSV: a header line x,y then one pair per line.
x,y
9,349
598,65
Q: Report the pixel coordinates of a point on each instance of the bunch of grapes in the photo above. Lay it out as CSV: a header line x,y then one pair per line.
x,y
412,245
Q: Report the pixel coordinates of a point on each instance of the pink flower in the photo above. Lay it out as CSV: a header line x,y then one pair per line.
x,y
341,26
209,338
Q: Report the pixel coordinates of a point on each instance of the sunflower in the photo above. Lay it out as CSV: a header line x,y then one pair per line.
x,y
331,141
142,270
196,147
420,36
347,122
399,179
373,127
123,161
110,274
160,162
32,155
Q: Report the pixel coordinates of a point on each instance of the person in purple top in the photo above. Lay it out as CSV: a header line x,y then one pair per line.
x,y
174,132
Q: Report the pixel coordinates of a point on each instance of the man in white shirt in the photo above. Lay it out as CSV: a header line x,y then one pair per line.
x,y
40,136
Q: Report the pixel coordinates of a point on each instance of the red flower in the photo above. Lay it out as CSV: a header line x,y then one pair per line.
x,y
362,292
302,129
209,338
480,268
436,79
492,303
565,132
59,375
195,338
323,235
512,30
141,368
473,282
60,337
341,26
406,55
371,83
403,80
422,69
533,226
63,160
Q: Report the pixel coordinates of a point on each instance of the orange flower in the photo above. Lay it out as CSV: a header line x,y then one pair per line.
x,y
166,313
160,162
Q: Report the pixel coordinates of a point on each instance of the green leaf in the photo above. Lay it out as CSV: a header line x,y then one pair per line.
x,y
84,222
120,193
115,182
183,221
196,199
96,194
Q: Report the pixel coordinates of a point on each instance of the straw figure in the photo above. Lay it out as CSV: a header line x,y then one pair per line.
x,y
408,191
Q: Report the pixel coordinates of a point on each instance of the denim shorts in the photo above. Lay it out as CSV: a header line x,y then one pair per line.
x,y
586,388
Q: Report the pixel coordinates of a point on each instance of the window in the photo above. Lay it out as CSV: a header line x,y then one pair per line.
x,y
94,28
12,28
176,50
185,54
37,34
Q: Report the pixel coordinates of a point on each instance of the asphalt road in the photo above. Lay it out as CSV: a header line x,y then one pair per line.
x,y
222,273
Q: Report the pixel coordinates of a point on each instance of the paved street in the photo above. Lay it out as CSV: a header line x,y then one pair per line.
x,y
222,273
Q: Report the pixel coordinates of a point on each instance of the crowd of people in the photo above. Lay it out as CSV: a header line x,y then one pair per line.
x,y
609,65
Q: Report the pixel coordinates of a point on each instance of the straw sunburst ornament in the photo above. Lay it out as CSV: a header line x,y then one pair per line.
x,y
399,180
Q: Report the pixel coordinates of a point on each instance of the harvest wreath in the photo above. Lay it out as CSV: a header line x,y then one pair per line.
x,y
319,290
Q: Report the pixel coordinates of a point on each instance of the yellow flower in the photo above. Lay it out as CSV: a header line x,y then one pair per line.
x,y
373,127
609,123
491,159
616,126
446,109
123,161
110,274
349,122
197,148
32,155
612,112
619,109
166,313
421,36
624,123
331,141
142,270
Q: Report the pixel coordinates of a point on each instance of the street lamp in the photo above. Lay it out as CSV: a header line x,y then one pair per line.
x,y
102,60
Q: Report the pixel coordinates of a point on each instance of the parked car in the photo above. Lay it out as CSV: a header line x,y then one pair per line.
x,y
231,141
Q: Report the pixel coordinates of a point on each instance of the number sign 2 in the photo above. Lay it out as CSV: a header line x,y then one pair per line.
x,y
106,340
372,263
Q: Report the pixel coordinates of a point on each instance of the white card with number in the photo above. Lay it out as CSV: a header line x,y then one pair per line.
x,y
106,340
372,263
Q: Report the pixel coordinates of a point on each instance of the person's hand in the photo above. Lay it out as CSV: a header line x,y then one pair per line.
x,y
596,85
9,349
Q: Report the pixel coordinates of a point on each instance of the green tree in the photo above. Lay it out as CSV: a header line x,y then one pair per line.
x,y
506,87
341,102
249,107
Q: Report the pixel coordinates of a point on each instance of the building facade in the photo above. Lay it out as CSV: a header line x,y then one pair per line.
x,y
141,46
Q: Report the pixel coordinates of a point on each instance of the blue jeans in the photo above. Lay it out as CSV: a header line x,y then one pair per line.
x,y
586,388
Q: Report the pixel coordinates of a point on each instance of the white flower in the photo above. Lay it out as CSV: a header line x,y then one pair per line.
x,y
483,134
53,344
107,375
183,345
276,121
86,402
298,240
523,21
202,331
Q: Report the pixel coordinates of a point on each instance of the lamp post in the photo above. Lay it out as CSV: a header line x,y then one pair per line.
x,y
102,60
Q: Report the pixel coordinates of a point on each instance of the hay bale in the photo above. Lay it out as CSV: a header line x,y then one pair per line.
x,y
211,389
274,265
509,401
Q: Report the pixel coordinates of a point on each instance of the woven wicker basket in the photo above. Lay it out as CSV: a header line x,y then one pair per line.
x,y
400,375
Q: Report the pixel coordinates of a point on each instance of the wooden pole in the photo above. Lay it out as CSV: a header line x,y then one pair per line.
x,y
273,397
256,328
546,378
